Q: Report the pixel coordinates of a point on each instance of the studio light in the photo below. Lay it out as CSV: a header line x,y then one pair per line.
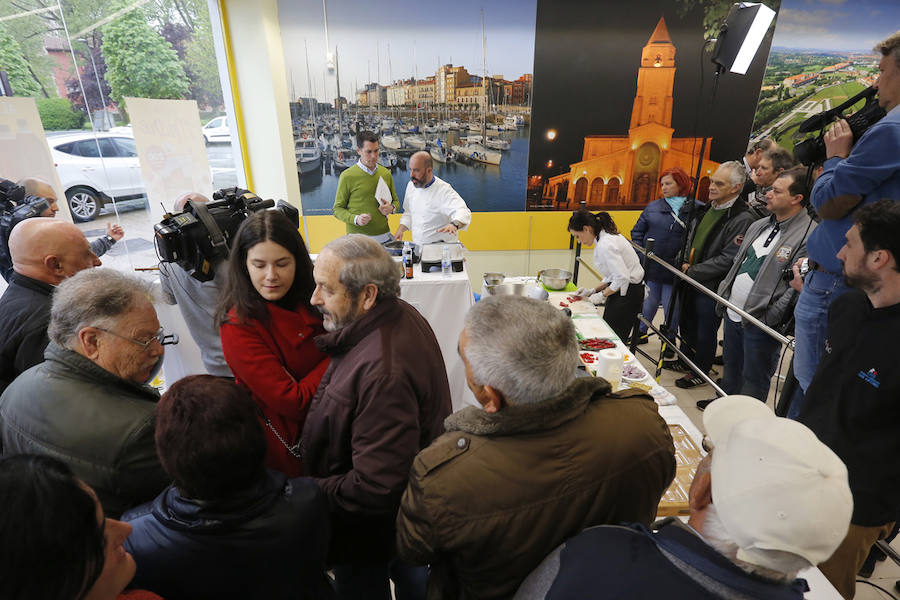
x,y
741,35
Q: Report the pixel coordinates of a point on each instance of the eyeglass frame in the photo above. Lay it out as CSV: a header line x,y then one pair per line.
x,y
160,336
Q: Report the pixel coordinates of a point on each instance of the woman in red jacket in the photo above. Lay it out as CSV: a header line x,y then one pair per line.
x,y
267,326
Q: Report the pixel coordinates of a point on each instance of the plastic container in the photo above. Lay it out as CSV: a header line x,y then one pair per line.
x,y
446,266
407,260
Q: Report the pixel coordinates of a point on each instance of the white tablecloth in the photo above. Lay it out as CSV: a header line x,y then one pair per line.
x,y
444,302
819,587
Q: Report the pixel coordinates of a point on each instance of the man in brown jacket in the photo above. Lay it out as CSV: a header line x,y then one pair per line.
x,y
546,456
383,398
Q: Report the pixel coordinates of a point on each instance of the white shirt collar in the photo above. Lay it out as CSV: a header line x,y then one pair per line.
x,y
365,168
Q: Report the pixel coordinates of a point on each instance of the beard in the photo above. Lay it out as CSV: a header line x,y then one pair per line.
x,y
862,281
336,321
417,182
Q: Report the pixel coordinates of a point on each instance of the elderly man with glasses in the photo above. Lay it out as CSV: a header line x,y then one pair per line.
x,y
89,403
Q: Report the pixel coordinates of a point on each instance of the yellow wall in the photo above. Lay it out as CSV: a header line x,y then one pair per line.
x,y
489,231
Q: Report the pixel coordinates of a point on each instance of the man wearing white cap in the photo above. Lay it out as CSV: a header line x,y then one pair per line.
x,y
769,500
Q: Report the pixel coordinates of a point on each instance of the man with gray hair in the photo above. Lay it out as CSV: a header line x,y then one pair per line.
x,y
768,501
715,235
88,404
383,398
545,456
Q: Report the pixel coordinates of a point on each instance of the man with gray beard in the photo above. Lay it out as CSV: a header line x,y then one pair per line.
x,y
768,501
383,398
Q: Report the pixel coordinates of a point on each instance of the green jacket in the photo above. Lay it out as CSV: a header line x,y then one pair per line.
x,y
356,195
99,424
489,499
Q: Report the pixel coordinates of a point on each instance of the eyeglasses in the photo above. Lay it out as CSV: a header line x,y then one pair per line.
x,y
161,336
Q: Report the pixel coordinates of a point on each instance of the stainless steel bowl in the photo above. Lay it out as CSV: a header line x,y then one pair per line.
x,y
511,289
494,278
555,279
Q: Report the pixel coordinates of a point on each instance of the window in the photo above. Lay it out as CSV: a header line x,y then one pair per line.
x,y
126,147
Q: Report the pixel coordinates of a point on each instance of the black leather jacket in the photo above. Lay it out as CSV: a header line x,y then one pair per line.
x,y
722,244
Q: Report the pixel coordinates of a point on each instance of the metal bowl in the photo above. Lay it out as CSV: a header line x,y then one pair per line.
x,y
494,278
555,279
513,289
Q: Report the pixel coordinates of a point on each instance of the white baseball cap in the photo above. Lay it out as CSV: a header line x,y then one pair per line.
x,y
774,484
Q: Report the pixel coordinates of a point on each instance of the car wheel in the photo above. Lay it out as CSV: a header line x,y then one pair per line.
x,y
84,203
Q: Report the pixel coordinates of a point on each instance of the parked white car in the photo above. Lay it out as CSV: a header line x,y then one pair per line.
x,y
217,131
95,168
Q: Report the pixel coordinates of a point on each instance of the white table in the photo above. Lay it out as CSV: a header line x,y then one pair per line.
x,y
819,587
444,302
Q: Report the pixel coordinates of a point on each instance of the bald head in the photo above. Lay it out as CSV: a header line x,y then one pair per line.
x,y
421,169
38,187
49,250
192,197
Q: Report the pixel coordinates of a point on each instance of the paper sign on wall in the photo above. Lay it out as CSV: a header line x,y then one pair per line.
x,y
23,147
170,147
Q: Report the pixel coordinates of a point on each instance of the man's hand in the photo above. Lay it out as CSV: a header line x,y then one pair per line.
x,y
115,231
685,267
839,140
449,228
400,231
362,219
797,281
385,209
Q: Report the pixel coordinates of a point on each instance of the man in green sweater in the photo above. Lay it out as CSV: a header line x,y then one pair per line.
x,y
355,203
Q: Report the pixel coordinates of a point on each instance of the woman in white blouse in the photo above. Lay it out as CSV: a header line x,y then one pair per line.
x,y
618,262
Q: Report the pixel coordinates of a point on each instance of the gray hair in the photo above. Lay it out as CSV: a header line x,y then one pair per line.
x,y
366,261
737,172
93,298
521,347
890,46
786,564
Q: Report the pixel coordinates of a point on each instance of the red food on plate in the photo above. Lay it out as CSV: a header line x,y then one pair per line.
x,y
596,344
587,357
563,304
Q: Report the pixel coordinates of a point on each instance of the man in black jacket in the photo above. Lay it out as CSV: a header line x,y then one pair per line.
x,y
44,252
852,401
716,235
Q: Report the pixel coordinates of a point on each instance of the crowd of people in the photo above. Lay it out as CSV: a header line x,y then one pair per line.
x,y
319,457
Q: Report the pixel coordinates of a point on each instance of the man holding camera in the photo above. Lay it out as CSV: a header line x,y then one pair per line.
x,y
197,301
854,175
41,195
756,284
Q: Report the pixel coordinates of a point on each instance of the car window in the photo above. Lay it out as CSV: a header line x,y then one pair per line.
x,y
88,148
217,122
68,148
126,147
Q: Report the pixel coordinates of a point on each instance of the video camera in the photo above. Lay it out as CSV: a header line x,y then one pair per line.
x,y
16,206
812,150
200,236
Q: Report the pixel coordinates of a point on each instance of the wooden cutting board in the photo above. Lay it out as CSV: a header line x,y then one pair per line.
x,y
687,457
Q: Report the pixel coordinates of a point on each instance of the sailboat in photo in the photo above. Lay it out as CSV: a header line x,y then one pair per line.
x,y
474,151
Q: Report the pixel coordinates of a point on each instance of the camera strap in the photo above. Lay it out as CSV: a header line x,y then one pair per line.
x,y
216,237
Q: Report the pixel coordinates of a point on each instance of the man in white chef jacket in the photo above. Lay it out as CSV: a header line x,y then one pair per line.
x,y
432,209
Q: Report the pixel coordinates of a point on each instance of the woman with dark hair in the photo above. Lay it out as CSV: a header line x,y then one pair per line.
x,y
663,220
618,262
55,543
267,327
227,527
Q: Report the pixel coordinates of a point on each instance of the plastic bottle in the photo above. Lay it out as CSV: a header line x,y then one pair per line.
x,y
407,260
446,267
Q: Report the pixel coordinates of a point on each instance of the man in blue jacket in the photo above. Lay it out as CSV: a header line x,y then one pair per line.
x,y
854,175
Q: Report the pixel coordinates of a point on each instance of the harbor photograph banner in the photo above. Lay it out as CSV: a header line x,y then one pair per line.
x,y
623,93
454,81
822,56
